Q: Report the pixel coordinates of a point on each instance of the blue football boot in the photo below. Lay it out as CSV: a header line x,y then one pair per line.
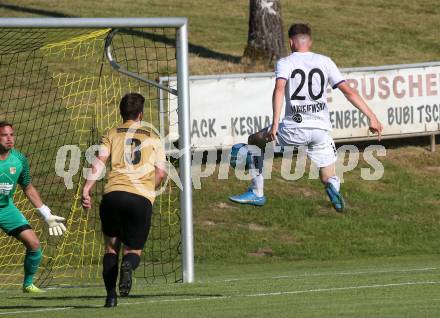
x,y
249,197
335,197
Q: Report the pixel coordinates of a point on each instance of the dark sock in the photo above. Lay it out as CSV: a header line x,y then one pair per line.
x,y
257,162
110,273
133,259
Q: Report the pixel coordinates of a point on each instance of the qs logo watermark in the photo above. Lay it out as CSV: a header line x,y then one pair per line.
x,y
205,163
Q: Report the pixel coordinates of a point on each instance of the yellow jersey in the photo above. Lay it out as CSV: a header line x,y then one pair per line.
x,y
134,151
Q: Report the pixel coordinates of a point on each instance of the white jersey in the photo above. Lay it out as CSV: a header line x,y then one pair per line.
x,y
307,75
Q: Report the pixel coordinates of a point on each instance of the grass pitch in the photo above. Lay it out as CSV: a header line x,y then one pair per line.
x,y
396,215
376,287
353,33
268,262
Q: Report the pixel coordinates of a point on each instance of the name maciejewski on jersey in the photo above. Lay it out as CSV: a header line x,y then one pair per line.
x,y
308,74
314,108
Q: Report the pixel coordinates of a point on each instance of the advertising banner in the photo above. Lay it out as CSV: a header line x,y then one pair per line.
x,y
226,109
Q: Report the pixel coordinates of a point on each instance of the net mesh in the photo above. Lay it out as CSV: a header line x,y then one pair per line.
x,y
57,88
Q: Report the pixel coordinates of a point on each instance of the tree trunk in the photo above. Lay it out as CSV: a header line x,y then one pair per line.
x,y
265,36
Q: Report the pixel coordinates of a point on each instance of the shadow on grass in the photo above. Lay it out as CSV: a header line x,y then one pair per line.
x,y
43,12
93,297
138,296
199,50
51,308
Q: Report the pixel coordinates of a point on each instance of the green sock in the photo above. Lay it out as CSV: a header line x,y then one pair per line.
x,y
31,263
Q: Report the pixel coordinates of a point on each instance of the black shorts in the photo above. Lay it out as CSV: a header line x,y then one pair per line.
x,y
126,216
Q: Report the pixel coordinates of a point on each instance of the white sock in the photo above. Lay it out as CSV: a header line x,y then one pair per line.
x,y
335,182
258,185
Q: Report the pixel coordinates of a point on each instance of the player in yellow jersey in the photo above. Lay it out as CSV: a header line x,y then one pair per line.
x,y
137,169
14,169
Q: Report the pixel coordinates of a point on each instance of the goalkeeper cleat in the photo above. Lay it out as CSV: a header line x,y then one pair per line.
x,y
125,279
32,289
249,197
111,301
335,197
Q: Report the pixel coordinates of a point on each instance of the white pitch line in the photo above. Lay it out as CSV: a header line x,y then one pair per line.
x,y
328,274
317,290
177,300
408,270
293,292
35,310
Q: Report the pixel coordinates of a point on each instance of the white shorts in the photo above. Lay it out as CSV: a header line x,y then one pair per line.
x,y
320,145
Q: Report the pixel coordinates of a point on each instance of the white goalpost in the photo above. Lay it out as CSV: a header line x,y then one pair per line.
x,y
61,80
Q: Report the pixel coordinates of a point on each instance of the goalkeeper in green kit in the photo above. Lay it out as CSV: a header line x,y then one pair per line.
x,y
14,169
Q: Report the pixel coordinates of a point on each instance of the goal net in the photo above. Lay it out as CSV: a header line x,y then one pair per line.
x,y
58,88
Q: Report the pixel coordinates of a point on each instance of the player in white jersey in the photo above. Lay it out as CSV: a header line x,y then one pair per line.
x,y
302,79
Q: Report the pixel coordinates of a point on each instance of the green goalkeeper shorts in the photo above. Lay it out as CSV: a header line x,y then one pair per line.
x,y
12,221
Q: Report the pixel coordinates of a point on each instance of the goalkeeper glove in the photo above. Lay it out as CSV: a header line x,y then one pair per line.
x,y
54,222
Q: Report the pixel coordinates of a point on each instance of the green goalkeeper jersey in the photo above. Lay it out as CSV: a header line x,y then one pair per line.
x,y
14,170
